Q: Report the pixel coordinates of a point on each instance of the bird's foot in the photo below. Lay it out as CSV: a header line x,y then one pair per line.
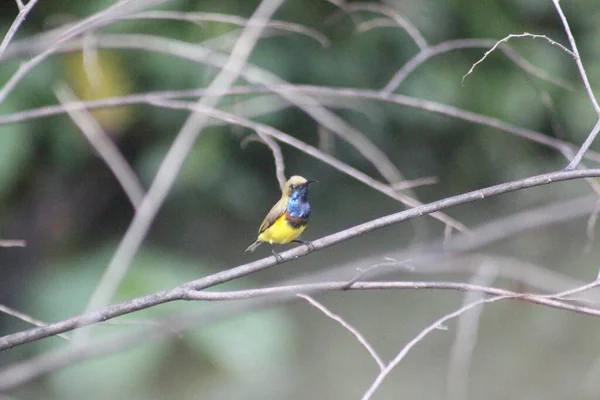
x,y
277,256
308,244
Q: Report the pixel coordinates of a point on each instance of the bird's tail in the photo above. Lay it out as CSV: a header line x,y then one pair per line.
x,y
253,246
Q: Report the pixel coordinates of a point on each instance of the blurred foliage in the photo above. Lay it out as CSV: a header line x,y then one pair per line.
x,y
60,197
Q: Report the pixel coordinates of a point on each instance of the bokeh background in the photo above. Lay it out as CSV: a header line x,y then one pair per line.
x,y
56,194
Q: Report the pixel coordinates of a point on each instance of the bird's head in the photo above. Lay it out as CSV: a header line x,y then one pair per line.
x,y
297,187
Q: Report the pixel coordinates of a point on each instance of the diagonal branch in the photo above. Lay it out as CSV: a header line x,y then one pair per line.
x,y
107,150
184,291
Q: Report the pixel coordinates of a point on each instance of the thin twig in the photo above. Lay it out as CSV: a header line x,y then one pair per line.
x,y
515,36
27,318
361,339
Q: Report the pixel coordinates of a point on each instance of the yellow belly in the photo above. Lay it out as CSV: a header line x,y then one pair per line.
x,y
280,232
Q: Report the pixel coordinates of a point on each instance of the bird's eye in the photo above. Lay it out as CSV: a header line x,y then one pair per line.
x,y
293,187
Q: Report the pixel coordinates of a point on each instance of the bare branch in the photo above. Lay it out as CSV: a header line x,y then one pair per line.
x,y
361,339
488,234
105,147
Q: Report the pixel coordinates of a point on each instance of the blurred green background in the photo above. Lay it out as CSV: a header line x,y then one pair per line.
x,y
56,194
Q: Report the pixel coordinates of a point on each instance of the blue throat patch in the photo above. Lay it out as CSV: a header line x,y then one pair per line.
x,y
297,205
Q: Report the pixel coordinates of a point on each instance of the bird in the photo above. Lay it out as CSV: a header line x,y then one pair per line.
x,y
288,217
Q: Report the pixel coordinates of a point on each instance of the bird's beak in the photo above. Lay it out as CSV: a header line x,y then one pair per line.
x,y
308,182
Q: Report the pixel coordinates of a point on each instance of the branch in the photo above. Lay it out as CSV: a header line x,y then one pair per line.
x,y
25,371
184,291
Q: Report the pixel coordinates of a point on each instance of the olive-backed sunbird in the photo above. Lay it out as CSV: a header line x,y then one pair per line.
x,y
288,217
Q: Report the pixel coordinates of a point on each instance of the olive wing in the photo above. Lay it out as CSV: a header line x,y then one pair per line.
x,y
276,212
